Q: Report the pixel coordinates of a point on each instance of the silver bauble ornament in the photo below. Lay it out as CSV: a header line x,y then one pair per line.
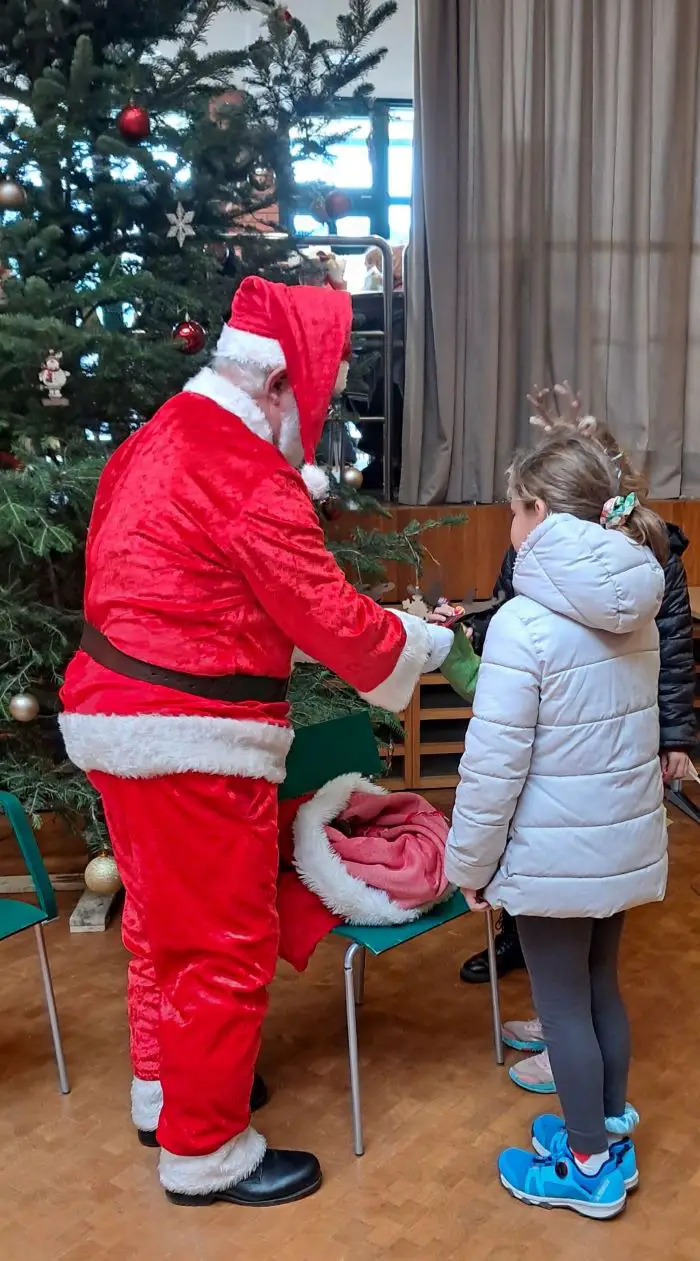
x,y
24,707
102,875
352,477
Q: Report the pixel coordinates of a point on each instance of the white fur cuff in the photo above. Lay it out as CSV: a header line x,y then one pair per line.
x,y
396,690
146,1103
226,1167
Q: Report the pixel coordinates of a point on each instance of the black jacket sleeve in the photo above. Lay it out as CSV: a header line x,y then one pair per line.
x,y
677,673
502,591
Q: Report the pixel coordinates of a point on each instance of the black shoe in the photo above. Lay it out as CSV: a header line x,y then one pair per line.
x,y
258,1098
280,1178
509,958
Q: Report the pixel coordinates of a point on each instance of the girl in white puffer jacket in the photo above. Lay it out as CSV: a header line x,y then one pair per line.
x,y
559,815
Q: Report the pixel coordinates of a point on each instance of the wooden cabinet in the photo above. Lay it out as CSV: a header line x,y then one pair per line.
x,y
434,727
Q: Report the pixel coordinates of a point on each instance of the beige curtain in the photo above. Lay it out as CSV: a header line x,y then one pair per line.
x,y
556,234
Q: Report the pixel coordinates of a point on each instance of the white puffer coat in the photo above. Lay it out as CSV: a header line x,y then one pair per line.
x,y
559,811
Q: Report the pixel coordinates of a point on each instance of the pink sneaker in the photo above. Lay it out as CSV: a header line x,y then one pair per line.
x,y
523,1035
534,1074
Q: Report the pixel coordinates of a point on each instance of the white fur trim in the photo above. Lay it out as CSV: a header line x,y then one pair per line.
x,y
263,352
315,481
219,389
226,1167
322,870
396,690
146,1103
342,378
144,746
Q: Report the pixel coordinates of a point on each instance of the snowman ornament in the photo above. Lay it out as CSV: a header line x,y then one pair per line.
x,y
53,378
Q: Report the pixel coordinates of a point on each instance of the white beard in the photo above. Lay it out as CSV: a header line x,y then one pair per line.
x,y
289,444
289,438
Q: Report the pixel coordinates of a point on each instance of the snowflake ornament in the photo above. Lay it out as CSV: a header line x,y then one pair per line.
x,y
180,224
416,606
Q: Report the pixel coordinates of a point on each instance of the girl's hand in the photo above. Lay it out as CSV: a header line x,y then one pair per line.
x,y
675,764
474,900
446,614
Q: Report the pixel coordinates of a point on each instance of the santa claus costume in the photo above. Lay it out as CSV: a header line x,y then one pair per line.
x,y
205,569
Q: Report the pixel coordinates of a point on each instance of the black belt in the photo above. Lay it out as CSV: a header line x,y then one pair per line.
x,y
223,687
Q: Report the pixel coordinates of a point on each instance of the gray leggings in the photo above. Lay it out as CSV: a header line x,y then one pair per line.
x,y
573,972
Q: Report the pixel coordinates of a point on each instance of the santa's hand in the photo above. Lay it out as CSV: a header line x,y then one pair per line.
x,y
441,640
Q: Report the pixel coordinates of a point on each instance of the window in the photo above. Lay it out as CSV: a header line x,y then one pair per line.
x,y
372,163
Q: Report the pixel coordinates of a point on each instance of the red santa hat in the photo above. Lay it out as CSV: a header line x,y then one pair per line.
x,y
306,331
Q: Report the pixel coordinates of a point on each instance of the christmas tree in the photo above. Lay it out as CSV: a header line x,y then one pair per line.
x,y
140,178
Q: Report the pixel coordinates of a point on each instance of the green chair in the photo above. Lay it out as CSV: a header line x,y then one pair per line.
x,y
319,754
16,916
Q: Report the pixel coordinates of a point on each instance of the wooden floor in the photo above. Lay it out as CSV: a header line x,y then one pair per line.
x,y
75,1185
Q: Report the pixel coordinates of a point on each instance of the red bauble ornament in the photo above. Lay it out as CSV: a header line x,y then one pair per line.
x,y
189,337
133,122
337,205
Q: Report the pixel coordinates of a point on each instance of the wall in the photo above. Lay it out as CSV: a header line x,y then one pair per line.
x,y
465,559
394,77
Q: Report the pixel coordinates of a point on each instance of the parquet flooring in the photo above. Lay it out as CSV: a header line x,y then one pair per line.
x,y
75,1185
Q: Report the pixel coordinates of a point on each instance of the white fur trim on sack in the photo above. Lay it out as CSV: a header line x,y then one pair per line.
x,y
219,389
322,870
262,352
226,1167
144,746
396,690
146,1103
315,481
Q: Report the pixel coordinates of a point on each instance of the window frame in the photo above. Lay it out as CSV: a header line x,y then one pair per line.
x,y
373,202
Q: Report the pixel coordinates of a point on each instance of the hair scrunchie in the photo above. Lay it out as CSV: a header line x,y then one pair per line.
x,y
617,510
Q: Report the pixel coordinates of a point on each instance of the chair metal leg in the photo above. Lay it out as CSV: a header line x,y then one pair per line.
x,y
676,797
357,1137
493,985
359,972
51,1007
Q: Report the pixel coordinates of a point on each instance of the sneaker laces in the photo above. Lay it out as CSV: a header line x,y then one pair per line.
x,y
533,1028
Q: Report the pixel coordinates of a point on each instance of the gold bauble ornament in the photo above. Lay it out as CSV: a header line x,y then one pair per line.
x,y
24,707
102,875
352,478
12,195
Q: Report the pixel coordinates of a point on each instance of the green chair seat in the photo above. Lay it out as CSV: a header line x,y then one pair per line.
x,y
319,754
379,940
16,916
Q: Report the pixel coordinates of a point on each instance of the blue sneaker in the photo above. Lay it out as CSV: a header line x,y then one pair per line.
x,y
545,1128
555,1181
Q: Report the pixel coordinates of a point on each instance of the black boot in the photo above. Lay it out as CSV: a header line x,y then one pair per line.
x,y
258,1098
509,956
280,1178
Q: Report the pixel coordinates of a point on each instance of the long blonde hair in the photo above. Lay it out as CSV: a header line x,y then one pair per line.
x,y
571,471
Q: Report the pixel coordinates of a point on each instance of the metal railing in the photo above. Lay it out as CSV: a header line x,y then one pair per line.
x,y
386,335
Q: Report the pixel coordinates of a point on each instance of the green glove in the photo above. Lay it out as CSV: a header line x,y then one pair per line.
x,y
461,666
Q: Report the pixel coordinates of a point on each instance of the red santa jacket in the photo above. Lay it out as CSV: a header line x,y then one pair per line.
x,y
205,555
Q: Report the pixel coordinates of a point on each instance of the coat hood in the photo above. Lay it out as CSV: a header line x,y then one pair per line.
x,y
676,539
596,577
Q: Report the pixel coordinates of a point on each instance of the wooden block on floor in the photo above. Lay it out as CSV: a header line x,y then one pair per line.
x,y
94,912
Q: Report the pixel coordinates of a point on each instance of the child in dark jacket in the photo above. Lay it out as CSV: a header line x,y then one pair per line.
x,y
676,717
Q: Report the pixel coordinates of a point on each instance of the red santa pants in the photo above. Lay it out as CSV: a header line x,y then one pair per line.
x,y
198,857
